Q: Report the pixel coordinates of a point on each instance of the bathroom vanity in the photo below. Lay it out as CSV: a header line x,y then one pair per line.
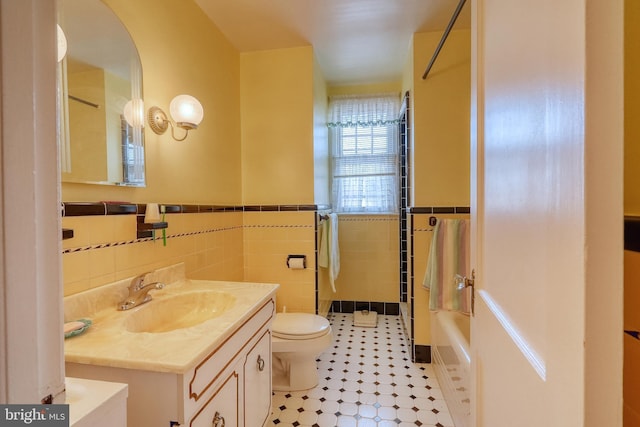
x,y
186,365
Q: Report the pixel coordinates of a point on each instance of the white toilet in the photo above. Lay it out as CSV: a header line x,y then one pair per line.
x,y
297,340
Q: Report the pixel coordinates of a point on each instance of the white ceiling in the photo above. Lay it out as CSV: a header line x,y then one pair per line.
x,y
355,41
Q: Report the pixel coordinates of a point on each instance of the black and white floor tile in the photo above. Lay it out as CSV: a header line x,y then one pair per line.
x,y
366,379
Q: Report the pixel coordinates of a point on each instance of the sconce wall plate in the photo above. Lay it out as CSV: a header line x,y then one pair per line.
x,y
158,121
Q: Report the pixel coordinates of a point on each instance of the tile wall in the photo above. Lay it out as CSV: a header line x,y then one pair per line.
x,y
249,243
105,248
369,259
418,323
269,238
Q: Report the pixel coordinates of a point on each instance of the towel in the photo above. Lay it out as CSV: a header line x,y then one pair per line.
x,y
323,251
329,251
448,258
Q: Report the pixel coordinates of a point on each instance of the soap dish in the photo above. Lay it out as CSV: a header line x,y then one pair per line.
x,y
76,328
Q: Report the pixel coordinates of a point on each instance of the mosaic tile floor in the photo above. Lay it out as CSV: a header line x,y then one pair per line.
x,y
366,379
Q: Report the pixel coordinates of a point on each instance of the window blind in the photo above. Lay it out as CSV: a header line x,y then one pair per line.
x,y
364,153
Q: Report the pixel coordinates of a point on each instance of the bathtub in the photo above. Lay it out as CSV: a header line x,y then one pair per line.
x,y
450,334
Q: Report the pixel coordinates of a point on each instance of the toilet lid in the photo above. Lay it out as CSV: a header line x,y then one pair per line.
x,y
299,326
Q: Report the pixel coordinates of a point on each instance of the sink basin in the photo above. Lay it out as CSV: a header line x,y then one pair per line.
x,y
179,311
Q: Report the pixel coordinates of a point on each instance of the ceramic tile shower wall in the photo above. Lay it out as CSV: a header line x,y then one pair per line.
x,y
421,234
104,249
269,237
369,258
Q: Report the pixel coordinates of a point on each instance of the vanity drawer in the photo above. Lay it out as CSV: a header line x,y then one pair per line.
x,y
199,382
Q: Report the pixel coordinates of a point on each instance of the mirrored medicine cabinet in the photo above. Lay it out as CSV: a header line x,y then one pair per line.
x,y
99,78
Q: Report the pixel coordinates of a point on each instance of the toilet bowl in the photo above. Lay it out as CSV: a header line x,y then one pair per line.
x,y
297,340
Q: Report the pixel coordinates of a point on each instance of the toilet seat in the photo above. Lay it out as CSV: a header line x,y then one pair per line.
x,y
299,326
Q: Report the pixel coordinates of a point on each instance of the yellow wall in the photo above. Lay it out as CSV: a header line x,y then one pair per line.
x,y
422,234
118,92
440,113
277,111
320,138
87,124
96,153
269,237
369,258
632,207
407,74
200,62
262,142
207,167
632,108
441,120
322,172
102,249
386,87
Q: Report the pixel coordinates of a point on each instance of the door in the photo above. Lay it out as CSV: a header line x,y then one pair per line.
x,y
546,198
257,383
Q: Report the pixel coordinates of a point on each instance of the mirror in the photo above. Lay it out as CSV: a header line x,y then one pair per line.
x,y
99,143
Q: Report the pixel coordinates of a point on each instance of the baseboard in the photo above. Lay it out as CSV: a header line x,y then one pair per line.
x,y
422,353
388,308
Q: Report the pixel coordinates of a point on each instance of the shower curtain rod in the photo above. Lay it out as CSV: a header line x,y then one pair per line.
x,y
444,38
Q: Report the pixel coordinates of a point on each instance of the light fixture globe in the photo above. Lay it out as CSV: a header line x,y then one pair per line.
x,y
134,113
62,44
186,111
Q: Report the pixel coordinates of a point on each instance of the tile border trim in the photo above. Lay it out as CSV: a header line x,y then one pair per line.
x,y
439,210
120,208
146,239
387,308
632,233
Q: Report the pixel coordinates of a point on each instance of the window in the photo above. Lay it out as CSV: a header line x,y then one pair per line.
x,y
364,153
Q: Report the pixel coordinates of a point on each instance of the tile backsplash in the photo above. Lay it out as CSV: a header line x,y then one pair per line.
x,y
215,243
105,248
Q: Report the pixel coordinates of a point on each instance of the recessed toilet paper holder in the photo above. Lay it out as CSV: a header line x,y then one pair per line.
x,y
297,261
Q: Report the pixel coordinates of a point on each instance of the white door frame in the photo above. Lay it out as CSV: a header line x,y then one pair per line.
x,y
31,337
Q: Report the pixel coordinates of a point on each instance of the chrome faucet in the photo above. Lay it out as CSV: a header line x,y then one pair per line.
x,y
139,292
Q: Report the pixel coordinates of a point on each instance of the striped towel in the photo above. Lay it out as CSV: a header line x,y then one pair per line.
x,y
448,257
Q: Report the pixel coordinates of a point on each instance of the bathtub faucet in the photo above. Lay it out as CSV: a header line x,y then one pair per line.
x,y
139,292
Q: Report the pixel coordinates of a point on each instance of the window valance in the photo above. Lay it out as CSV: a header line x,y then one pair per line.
x,y
365,110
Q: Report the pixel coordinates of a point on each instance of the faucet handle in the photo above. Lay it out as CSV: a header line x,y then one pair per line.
x,y
138,281
158,285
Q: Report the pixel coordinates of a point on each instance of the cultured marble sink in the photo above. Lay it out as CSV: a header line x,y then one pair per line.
x,y
182,323
179,311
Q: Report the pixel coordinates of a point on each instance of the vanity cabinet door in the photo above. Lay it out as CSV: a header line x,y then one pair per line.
x,y
222,408
257,383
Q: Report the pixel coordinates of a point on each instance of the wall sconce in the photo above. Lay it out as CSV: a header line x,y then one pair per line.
x,y
185,110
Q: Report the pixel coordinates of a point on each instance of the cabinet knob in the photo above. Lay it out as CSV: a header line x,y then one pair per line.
x,y
260,363
218,421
